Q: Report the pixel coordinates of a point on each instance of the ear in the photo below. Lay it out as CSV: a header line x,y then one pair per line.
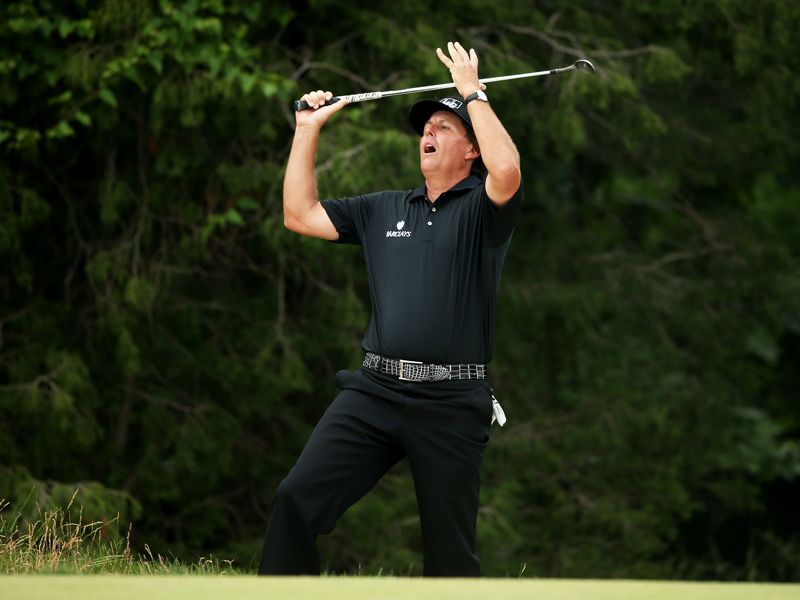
x,y
472,153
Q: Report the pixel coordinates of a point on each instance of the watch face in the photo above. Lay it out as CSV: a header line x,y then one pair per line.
x,y
479,95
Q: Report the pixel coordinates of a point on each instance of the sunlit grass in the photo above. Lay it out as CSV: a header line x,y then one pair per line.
x,y
57,542
167,587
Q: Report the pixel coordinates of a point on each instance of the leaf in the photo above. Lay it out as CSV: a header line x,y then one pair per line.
x,y
140,293
127,352
26,137
65,27
764,346
83,118
7,66
247,80
247,203
99,267
64,97
251,11
156,61
107,96
132,73
33,209
229,217
62,130
665,66
62,401
233,217
269,89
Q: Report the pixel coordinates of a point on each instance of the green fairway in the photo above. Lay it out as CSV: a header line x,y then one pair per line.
x,y
45,587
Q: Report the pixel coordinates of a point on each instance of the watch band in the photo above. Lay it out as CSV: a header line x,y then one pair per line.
x,y
476,95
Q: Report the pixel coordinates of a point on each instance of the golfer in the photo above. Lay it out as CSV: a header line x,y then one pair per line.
x,y
434,257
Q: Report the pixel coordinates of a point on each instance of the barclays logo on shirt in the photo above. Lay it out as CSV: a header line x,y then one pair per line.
x,y
399,231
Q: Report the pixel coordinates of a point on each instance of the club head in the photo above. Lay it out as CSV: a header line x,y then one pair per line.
x,y
585,65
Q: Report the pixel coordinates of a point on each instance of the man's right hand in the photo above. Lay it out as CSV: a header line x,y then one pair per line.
x,y
317,116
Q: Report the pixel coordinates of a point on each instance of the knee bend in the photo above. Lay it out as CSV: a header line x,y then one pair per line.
x,y
295,501
289,492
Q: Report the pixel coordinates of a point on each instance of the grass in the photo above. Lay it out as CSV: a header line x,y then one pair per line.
x,y
386,588
44,559
58,543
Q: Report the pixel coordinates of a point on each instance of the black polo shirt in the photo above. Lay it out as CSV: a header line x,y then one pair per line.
x,y
433,268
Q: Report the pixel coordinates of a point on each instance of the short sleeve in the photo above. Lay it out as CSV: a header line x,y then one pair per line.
x,y
350,216
500,220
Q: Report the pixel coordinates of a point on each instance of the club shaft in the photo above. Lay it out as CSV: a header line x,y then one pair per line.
x,y
302,105
444,86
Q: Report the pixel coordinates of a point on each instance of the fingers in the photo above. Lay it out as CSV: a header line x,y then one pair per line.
x,y
442,57
317,99
458,55
463,67
457,50
339,105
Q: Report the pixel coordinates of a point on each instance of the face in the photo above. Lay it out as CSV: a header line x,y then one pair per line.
x,y
444,147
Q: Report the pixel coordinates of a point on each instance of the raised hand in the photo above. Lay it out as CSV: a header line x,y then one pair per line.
x,y
463,67
317,115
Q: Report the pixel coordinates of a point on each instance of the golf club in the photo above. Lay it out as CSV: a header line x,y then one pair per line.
x,y
581,64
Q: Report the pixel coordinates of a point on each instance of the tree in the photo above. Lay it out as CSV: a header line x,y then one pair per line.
x,y
165,338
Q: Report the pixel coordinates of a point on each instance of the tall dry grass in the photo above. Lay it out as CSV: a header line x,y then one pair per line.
x,y
59,543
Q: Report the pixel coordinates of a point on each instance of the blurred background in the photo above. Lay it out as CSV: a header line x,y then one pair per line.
x,y
166,346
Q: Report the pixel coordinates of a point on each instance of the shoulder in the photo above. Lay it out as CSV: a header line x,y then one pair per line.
x,y
386,199
385,196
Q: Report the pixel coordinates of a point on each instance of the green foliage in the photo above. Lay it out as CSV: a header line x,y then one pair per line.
x,y
166,345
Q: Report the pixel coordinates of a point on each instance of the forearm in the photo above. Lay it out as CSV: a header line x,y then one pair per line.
x,y
300,182
499,154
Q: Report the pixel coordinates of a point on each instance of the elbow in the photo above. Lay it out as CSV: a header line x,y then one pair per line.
x,y
510,167
505,167
290,222
502,183
508,176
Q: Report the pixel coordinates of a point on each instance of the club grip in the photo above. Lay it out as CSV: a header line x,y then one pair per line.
x,y
299,105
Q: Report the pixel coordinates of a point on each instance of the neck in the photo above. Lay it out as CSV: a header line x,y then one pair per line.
x,y
436,185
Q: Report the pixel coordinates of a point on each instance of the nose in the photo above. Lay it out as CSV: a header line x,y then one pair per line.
x,y
427,129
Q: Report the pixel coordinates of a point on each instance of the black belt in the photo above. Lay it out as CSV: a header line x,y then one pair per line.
x,y
414,370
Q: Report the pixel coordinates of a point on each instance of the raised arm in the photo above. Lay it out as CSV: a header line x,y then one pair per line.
x,y
499,154
302,211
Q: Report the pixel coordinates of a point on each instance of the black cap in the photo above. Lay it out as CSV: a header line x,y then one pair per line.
x,y
422,111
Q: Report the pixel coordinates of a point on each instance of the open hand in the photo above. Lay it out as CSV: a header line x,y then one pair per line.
x,y
463,68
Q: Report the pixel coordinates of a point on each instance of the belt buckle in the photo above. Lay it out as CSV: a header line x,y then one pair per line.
x,y
403,364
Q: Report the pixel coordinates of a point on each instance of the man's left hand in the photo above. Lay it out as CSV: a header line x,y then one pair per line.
x,y
463,67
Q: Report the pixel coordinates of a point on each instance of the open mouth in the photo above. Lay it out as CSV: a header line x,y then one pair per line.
x,y
428,148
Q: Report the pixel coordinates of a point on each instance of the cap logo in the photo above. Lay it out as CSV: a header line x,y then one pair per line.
x,y
400,224
452,103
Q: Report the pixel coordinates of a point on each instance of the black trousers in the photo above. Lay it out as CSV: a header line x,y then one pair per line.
x,y
443,429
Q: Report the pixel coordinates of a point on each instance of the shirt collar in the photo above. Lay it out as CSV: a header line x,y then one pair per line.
x,y
468,183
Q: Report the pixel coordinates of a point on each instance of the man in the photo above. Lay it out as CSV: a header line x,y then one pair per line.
x,y
434,257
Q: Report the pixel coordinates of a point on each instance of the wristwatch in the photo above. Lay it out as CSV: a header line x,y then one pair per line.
x,y
479,95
